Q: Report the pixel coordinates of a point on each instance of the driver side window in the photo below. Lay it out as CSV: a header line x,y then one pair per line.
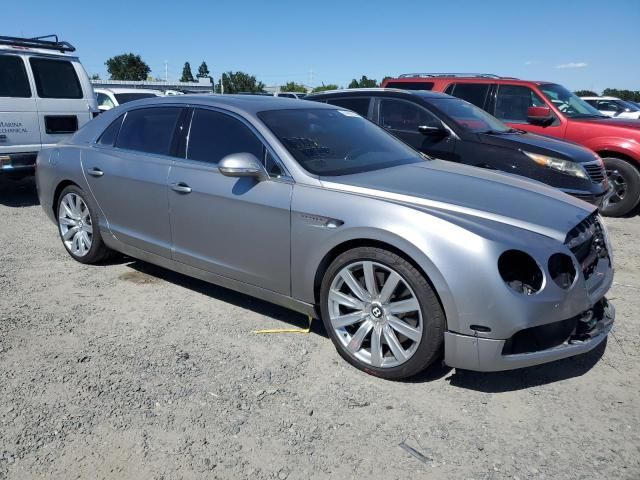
x,y
513,102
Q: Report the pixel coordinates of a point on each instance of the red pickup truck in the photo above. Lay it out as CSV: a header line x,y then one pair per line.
x,y
549,109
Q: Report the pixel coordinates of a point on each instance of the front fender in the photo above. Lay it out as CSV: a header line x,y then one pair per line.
x,y
623,146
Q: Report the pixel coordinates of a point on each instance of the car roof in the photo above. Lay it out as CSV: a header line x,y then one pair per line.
x,y
346,92
127,90
37,51
499,80
251,104
600,98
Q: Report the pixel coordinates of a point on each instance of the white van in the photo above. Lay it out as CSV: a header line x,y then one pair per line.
x,y
45,96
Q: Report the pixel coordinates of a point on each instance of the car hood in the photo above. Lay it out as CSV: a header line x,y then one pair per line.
x,y
443,186
540,144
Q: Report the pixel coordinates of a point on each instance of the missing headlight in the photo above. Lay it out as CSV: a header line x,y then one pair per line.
x,y
562,270
520,271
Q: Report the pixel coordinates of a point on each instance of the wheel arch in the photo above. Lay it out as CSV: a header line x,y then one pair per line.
x,y
56,194
430,273
607,153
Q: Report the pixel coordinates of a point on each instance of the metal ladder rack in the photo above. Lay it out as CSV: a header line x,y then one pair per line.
x,y
39,42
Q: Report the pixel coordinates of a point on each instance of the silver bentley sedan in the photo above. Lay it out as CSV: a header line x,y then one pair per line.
x,y
315,208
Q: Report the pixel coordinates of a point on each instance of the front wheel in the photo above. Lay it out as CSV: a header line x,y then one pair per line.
x,y
381,313
624,180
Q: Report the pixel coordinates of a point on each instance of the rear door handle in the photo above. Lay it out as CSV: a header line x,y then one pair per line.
x,y
181,187
95,172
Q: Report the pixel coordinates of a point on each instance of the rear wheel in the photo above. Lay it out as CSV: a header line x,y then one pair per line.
x,y
381,313
624,180
78,226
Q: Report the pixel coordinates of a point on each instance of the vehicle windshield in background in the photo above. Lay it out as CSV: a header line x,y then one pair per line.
x,y
630,105
468,116
568,103
330,142
130,97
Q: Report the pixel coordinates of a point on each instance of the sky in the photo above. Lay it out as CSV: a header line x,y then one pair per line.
x,y
568,42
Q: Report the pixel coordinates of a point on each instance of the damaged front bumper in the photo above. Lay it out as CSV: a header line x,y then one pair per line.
x,y
588,330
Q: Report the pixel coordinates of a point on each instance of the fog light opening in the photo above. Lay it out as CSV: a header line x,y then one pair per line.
x,y
521,272
562,270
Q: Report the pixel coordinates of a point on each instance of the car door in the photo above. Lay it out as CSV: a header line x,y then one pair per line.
x,y
512,104
237,227
19,128
402,118
63,105
127,171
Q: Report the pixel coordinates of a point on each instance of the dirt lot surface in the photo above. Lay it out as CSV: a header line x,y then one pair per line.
x,y
126,370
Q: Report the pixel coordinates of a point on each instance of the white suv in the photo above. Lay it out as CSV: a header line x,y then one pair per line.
x,y
614,107
45,96
109,98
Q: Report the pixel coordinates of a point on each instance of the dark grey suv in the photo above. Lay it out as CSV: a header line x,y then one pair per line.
x,y
449,128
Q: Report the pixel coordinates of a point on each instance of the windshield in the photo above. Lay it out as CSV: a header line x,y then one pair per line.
x,y
331,142
630,105
568,103
469,116
130,97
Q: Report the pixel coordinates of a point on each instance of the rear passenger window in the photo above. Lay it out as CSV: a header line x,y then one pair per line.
x,y
108,137
358,105
149,130
55,78
214,135
475,93
13,77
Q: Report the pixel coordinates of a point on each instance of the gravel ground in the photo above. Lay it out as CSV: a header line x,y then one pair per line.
x,y
127,370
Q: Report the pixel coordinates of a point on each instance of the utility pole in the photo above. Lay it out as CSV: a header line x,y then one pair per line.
x,y
222,83
166,71
311,77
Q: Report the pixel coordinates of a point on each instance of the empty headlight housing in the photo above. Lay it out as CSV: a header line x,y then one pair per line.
x,y
562,270
521,272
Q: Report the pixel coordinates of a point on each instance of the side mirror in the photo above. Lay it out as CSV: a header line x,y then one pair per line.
x,y
242,165
433,131
541,116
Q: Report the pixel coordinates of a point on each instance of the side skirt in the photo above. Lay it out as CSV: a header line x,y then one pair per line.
x,y
251,290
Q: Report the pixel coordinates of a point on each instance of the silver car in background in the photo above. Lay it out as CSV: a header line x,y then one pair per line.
x,y
315,208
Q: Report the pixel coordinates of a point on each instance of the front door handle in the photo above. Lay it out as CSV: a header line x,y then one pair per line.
x,y
181,187
95,172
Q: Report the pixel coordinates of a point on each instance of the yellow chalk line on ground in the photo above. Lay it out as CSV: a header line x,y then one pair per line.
x,y
287,330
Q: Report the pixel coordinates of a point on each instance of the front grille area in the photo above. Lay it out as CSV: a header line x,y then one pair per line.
x,y
580,328
586,241
595,172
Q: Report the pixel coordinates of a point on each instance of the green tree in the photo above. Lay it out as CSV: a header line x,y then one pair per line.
x,y
95,76
585,93
203,70
236,82
187,76
634,96
293,87
323,87
127,67
364,82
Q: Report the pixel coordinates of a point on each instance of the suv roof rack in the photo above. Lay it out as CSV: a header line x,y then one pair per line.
x,y
463,75
48,42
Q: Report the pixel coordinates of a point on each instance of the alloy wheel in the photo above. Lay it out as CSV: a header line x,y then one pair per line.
x,y
375,314
76,227
618,186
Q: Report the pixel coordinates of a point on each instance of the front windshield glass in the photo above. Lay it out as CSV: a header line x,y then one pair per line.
x,y
630,106
130,97
567,102
331,142
469,116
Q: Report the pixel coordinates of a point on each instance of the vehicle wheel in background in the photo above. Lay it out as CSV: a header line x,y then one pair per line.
x,y
78,226
381,313
624,179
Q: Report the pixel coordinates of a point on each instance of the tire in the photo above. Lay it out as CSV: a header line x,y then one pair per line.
x,y
624,178
356,328
78,226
